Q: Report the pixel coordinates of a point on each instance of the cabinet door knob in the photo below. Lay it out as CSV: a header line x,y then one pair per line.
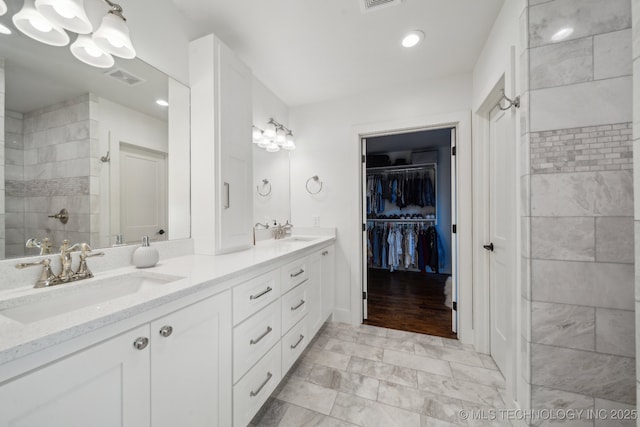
x,y
141,343
325,253
165,331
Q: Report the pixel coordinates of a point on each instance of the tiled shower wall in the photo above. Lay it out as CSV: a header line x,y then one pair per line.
x,y
580,344
14,180
59,146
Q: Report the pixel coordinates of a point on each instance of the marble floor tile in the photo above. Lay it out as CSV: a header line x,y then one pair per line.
x,y
448,353
343,334
422,402
451,343
427,421
431,340
301,369
320,341
488,362
354,349
326,358
460,389
296,416
499,421
270,414
474,374
374,330
346,382
420,363
399,344
367,413
308,395
383,371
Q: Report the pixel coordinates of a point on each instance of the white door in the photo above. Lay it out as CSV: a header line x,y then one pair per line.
x,y
365,262
106,385
502,227
143,194
454,236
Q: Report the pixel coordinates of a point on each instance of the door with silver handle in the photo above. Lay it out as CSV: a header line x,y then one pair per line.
x,y
227,195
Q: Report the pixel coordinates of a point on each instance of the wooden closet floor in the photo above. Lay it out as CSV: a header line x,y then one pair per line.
x,y
408,301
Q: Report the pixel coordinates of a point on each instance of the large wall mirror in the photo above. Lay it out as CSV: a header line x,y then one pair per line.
x,y
93,142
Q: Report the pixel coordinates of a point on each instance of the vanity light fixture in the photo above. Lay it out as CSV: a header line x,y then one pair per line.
x,y
274,137
4,30
412,38
85,50
113,34
68,14
3,7
35,25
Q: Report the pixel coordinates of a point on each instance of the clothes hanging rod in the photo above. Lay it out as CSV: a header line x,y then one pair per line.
x,y
402,168
408,221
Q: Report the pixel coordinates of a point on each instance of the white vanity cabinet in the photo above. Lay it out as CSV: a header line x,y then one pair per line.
x,y
221,148
328,281
171,371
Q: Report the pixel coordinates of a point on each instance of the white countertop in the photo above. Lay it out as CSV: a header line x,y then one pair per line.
x,y
199,273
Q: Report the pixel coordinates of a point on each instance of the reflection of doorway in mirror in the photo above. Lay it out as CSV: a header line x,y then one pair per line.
x,y
143,201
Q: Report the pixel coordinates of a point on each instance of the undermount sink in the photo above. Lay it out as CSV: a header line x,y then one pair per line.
x,y
58,300
299,239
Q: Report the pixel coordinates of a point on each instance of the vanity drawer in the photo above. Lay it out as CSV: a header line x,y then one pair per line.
x,y
295,273
254,389
253,295
254,337
295,305
293,343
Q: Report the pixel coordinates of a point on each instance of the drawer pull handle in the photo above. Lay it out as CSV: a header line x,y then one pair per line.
x,y
325,252
300,304
297,343
141,343
255,393
266,291
165,331
257,340
298,273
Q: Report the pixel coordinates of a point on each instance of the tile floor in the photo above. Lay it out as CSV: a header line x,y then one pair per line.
x,y
375,377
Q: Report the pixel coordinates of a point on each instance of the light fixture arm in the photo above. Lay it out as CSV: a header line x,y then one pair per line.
x,y
278,125
116,9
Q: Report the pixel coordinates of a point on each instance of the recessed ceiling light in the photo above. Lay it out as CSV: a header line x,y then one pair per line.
x,y
162,103
4,29
412,38
562,34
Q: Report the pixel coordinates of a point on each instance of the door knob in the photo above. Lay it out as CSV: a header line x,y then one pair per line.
x,y
488,247
161,232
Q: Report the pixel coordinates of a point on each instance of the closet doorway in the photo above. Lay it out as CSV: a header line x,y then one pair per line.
x,y
409,243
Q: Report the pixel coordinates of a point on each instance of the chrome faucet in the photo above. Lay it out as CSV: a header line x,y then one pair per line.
x,y
280,231
48,278
44,245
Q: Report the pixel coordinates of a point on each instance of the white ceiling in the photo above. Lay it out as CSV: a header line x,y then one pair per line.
x,y
307,51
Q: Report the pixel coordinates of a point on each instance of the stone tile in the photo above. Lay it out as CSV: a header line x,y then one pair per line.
x,y
612,96
346,382
420,363
546,398
612,54
489,377
583,372
487,361
491,419
383,371
615,332
301,369
374,330
270,414
582,194
427,421
621,410
460,389
614,239
399,344
296,416
430,340
563,325
354,349
326,358
420,401
583,283
367,413
449,354
589,17
308,395
561,63
560,238
457,344
341,334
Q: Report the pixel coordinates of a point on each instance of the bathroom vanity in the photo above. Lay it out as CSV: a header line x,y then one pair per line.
x,y
198,340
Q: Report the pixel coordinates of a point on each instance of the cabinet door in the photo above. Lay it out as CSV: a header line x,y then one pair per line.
x,y
328,281
190,360
235,161
105,385
315,318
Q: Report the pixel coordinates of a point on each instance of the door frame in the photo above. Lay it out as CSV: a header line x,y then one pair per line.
x,y
460,120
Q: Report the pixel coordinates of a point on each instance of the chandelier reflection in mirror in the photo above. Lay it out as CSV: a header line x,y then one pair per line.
x,y
274,137
48,21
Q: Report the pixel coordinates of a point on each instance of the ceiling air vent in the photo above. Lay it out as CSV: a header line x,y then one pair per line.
x,y
124,76
372,5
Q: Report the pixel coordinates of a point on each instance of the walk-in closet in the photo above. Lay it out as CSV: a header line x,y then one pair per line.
x,y
407,198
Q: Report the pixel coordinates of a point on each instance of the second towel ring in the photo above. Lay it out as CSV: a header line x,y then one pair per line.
x,y
265,182
316,179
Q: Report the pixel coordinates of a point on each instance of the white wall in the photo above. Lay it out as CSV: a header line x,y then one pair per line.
x,y
271,166
327,148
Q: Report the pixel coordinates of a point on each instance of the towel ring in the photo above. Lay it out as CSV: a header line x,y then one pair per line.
x,y
316,179
265,182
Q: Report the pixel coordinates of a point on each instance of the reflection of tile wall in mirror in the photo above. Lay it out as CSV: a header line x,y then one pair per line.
x,y
58,121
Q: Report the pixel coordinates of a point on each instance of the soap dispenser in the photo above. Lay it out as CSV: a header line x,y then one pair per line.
x,y
146,255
